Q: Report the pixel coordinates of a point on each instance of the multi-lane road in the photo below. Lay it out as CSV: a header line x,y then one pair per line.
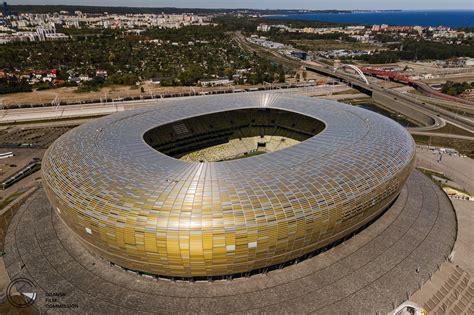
x,y
436,113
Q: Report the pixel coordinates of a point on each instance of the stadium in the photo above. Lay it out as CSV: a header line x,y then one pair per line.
x,y
225,185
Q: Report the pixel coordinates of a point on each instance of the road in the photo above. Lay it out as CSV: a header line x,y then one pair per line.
x,y
434,117
435,112
48,115
408,100
454,106
441,135
270,54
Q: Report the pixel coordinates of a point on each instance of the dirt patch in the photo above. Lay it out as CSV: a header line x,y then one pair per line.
x,y
117,92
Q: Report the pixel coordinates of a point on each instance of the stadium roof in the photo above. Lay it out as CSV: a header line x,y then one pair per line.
x,y
147,211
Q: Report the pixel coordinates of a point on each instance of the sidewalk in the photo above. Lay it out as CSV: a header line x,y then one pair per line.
x,y
458,169
450,290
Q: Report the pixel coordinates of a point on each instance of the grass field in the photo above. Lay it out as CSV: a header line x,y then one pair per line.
x,y
429,173
451,129
69,94
351,91
5,202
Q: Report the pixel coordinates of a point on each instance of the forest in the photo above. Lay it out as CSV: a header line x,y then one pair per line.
x,y
419,50
183,56
456,88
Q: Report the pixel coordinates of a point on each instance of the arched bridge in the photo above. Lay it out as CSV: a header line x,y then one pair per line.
x,y
355,68
429,117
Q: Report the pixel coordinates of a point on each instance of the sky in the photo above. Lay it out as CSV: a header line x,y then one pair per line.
x,y
272,4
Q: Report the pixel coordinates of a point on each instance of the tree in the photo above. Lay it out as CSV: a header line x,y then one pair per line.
x,y
128,59
305,75
229,72
112,57
455,88
252,78
191,76
281,76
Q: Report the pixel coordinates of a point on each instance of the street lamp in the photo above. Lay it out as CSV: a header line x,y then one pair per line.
x,y
267,84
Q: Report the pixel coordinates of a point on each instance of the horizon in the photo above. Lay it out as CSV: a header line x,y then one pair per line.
x,y
236,8
346,5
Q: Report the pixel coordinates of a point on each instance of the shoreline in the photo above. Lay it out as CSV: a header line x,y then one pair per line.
x,y
453,18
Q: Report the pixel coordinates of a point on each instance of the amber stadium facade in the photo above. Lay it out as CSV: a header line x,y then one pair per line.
x,y
120,186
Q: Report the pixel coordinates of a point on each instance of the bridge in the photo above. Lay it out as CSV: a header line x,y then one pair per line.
x,y
356,69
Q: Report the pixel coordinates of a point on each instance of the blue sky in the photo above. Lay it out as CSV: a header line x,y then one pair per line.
x,y
273,4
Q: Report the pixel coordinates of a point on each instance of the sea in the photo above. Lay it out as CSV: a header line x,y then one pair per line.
x,y
448,18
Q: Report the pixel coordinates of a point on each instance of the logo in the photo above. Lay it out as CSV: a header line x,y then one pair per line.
x,y
24,295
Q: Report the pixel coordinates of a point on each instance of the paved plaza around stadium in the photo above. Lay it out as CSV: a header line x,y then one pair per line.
x,y
373,271
254,203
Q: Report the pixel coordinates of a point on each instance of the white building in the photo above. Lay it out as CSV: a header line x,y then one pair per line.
x,y
264,28
215,82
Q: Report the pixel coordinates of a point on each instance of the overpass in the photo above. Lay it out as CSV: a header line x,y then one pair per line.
x,y
428,116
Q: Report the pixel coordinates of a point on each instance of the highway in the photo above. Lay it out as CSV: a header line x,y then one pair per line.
x,y
454,106
439,116
404,99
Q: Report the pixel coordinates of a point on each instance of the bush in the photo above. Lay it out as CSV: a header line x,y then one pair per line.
x,y
456,88
13,86
43,86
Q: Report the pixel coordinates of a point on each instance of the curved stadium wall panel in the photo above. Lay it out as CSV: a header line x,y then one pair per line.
x,y
148,211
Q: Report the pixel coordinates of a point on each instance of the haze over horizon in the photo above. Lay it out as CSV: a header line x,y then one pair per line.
x,y
272,4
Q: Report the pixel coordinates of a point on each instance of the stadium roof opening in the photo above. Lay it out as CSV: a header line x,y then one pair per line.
x,y
232,134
